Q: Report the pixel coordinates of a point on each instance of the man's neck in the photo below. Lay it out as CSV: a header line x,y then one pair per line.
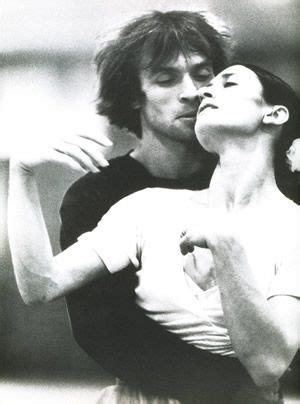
x,y
169,159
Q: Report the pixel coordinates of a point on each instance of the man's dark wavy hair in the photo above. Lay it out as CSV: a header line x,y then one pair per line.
x,y
278,92
160,36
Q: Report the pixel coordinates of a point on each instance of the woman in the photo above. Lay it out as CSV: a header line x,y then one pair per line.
x,y
231,288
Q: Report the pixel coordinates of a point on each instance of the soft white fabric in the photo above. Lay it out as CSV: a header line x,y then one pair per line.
x,y
145,228
122,393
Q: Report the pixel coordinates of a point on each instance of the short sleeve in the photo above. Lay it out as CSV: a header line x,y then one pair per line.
x,y
116,237
287,274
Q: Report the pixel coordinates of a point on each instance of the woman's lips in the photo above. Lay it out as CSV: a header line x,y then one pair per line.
x,y
205,106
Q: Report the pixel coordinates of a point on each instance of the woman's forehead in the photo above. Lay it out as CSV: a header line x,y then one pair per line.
x,y
240,71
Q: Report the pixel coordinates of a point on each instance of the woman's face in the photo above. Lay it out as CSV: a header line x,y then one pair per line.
x,y
232,104
293,156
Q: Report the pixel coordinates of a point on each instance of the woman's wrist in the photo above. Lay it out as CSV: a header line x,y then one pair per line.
x,y
17,167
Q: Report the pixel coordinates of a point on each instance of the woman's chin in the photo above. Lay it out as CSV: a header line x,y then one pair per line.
x,y
205,141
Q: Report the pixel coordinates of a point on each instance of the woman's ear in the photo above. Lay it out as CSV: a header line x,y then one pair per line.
x,y
278,115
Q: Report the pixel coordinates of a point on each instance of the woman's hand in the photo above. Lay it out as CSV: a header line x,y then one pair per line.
x,y
41,276
80,153
211,225
191,238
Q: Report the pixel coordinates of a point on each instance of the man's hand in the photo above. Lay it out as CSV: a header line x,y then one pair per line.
x,y
80,153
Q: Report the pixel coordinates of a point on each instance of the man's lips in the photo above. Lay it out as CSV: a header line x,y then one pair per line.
x,y
205,106
188,115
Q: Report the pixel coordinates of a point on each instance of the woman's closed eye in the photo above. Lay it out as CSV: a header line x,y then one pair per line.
x,y
230,84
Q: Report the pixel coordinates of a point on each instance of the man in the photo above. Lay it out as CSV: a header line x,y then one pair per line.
x,y
149,78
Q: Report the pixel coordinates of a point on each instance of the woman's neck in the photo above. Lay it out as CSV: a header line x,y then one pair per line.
x,y
244,176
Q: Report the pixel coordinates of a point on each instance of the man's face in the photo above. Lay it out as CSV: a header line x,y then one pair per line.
x,y
170,100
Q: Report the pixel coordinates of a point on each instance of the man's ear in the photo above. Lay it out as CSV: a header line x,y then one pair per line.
x,y
277,115
138,102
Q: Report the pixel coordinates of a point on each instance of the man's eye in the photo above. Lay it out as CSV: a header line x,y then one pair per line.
x,y
165,79
203,76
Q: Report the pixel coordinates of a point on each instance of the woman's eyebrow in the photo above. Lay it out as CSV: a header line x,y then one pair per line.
x,y
224,76
227,75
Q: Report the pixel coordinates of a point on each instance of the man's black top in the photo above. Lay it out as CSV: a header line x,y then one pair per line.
x,y
105,320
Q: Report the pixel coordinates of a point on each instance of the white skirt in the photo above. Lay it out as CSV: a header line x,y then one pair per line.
x,y
121,393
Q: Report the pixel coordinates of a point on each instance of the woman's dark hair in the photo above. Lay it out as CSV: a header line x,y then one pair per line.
x,y
160,37
278,92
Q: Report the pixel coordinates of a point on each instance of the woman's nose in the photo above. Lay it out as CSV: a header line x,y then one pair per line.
x,y
205,92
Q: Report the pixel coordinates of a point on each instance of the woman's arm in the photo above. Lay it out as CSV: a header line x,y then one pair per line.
x,y
265,333
40,276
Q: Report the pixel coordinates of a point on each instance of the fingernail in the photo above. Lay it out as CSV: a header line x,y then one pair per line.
x,y
107,142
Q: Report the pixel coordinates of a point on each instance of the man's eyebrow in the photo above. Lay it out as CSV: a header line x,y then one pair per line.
x,y
165,68
202,65
171,68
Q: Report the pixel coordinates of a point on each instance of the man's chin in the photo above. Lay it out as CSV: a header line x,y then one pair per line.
x,y
190,139
189,124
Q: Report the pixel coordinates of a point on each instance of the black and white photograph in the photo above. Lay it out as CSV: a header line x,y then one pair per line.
x,y
149,202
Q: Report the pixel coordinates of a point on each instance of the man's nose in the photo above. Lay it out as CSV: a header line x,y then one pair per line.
x,y
189,90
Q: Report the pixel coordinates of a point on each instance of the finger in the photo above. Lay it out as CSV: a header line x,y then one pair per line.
x,y
92,150
77,155
65,160
186,246
101,140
